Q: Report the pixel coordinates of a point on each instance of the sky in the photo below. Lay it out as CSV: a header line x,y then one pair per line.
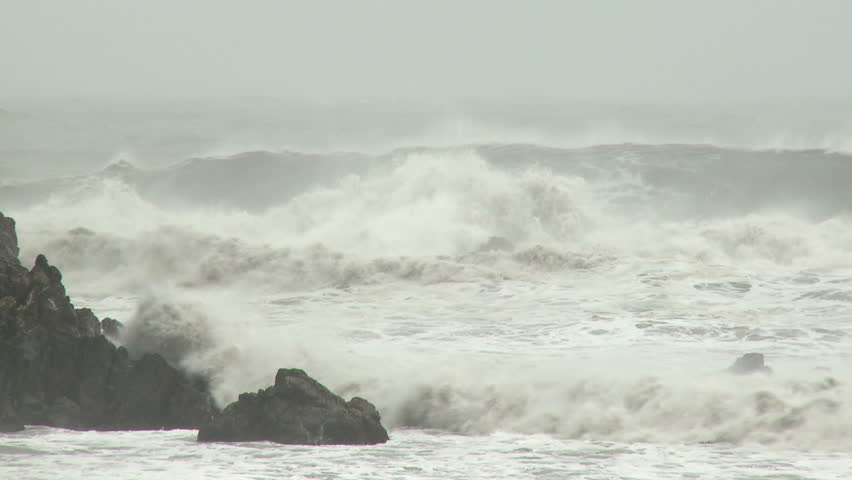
x,y
429,50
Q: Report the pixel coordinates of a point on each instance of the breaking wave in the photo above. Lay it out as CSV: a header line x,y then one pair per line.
x,y
432,216
797,407
193,241
805,413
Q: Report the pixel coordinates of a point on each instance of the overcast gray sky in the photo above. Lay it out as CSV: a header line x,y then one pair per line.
x,y
598,50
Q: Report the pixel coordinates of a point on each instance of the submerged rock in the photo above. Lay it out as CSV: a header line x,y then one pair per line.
x,y
496,244
750,363
173,330
58,369
296,410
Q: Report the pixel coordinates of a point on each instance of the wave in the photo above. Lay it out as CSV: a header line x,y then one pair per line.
x,y
806,409
247,180
658,237
599,398
671,179
424,217
800,412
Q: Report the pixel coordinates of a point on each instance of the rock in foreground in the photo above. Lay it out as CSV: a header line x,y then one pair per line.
x,y
296,410
10,424
58,369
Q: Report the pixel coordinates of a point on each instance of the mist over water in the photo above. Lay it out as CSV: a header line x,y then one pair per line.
x,y
588,287
535,236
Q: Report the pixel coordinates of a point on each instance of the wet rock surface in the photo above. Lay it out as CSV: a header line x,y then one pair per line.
x,y
112,328
58,369
296,410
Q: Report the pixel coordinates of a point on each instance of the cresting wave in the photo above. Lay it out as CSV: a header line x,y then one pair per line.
x,y
424,219
637,217
704,178
430,217
72,140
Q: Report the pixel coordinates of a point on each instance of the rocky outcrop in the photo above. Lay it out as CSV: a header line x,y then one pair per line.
x,y
10,424
750,363
112,328
296,410
8,241
58,369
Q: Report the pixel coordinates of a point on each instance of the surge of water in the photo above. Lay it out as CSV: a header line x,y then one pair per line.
x,y
518,288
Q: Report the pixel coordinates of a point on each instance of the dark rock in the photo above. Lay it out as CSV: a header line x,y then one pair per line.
x,y
64,413
112,328
10,424
296,410
8,241
88,323
154,393
13,281
749,363
58,369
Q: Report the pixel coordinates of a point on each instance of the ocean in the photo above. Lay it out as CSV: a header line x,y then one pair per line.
x,y
523,295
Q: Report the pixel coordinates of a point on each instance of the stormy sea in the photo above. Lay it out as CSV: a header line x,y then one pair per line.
x,y
522,293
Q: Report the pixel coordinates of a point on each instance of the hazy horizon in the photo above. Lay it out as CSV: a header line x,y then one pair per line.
x,y
654,52
533,235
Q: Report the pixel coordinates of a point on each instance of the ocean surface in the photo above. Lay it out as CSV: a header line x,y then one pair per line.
x,y
538,297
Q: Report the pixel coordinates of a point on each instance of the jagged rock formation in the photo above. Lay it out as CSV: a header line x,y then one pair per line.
x,y
750,363
58,369
8,241
112,328
296,410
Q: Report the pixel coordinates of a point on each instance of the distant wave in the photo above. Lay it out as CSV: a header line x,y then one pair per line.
x,y
683,179
276,224
426,216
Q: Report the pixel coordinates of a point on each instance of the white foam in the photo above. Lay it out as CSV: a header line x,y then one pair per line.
x,y
598,322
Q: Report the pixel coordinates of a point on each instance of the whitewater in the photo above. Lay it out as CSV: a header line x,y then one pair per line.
x,y
515,309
